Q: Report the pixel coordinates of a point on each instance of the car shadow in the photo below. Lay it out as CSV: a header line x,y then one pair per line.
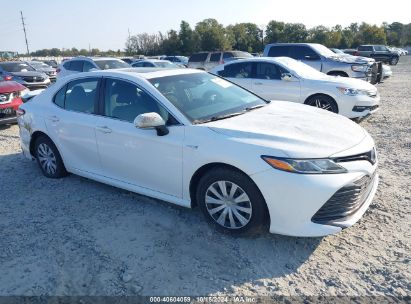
x,y
79,237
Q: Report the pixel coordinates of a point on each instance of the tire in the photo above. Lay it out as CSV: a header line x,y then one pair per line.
x,y
247,216
394,60
324,102
48,158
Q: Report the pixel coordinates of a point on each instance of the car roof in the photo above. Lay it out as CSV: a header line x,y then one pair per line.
x,y
145,73
281,60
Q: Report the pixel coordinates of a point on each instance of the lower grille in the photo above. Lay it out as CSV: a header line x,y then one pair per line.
x,y
33,79
345,202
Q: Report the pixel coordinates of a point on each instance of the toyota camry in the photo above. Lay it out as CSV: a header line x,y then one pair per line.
x,y
195,139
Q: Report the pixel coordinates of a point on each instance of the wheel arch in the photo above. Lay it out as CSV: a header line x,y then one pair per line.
x,y
200,172
322,94
337,73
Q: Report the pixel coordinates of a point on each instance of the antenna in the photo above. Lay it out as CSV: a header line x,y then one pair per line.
x,y
25,34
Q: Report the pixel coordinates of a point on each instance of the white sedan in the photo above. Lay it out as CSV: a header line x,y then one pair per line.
x,y
192,138
284,78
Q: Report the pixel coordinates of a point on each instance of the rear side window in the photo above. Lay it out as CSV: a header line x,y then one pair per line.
x,y
76,65
228,55
238,70
199,57
80,95
279,51
215,57
365,48
303,52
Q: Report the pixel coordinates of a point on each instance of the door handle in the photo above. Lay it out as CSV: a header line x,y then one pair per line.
x,y
258,83
54,118
104,129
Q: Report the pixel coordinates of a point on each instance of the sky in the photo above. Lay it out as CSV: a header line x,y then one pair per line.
x,y
98,24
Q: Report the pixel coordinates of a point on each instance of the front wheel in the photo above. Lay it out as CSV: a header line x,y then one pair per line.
x,y
324,102
231,201
394,61
48,158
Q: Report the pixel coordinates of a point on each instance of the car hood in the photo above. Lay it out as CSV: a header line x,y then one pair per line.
x,y
10,86
293,130
348,82
352,59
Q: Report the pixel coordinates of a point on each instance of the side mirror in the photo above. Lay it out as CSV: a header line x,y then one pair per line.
x,y
151,120
286,77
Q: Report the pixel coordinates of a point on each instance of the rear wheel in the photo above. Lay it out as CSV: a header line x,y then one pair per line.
x,y
48,158
231,201
324,102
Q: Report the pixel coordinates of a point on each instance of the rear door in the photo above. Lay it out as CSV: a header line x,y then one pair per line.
x,y
240,73
214,60
71,123
268,83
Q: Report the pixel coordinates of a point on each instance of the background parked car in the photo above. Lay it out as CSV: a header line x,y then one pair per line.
x,y
24,74
324,60
10,100
155,63
379,53
181,60
208,60
284,78
42,67
86,64
51,63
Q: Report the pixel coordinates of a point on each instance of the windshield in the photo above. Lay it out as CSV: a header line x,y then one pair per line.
x,y
337,51
323,50
16,67
111,64
202,97
303,70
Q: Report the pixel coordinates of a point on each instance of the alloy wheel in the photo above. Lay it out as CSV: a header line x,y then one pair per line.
x,y
228,204
47,158
322,104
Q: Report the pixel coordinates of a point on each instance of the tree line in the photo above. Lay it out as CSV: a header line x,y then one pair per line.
x,y
210,35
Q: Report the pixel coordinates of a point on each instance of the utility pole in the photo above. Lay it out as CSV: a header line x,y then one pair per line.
x,y
25,34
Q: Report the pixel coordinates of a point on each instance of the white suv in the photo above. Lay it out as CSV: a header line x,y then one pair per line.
x,y
87,64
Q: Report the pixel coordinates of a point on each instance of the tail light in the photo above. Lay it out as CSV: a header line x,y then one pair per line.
x,y
221,62
20,112
8,77
356,53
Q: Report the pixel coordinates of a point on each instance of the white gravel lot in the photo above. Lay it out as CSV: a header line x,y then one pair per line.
x,y
74,236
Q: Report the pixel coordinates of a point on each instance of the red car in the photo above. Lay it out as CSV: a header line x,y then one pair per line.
x,y
10,100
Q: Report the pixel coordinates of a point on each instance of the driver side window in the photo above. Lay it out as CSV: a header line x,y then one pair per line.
x,y
125,101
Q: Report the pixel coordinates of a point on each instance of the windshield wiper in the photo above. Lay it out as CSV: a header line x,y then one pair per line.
x,y
254,107
220,117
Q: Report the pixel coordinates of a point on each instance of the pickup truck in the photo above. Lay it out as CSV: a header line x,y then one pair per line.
x,y
379,53
324,60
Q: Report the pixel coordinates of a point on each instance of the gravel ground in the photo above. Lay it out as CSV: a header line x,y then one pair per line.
x,y
74,236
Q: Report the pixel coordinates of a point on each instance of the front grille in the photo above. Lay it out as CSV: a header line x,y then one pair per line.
x,y
370,156
33,79
345,202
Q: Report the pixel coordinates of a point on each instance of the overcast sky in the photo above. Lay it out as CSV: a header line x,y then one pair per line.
x,y
75,23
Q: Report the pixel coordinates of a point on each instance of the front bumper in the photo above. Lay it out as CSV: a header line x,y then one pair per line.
x,y
293,199
8,111
359,106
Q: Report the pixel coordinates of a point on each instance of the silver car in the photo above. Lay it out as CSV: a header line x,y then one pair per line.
x,y
208,60
324,60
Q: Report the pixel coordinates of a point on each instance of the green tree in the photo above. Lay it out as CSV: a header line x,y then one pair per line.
x,y
188,42
212,35
274,32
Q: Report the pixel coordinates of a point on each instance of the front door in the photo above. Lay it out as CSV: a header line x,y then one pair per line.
x,y
138,156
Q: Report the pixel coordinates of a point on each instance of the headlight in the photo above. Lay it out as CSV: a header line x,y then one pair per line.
x,y
24,92
359,68
304,166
